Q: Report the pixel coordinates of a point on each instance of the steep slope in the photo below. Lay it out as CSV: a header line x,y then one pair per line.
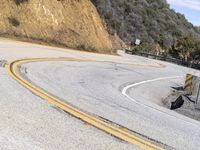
x,y
152,21
72,23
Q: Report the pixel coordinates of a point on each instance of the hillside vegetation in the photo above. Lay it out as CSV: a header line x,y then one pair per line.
x,y
159,27
71,23
77,24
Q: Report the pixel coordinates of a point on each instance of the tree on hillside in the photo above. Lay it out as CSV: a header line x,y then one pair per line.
x,y
186,48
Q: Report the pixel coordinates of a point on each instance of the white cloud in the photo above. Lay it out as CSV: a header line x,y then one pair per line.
x,y
191,4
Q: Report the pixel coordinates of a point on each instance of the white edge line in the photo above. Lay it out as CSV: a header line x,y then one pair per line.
x,y
125,89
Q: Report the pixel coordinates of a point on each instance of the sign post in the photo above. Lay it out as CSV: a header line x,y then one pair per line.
x,y
137,42
198,94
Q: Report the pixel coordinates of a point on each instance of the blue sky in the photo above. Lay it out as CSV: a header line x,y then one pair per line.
x,y
190,8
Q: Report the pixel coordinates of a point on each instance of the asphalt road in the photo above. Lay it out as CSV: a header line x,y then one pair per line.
x,y
94,86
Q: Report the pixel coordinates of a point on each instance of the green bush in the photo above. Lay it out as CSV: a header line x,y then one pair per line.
x,y
18,2
145,47
13,21
86,48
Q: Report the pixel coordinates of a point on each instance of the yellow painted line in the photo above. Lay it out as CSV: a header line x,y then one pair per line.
x,y
90,60
12,69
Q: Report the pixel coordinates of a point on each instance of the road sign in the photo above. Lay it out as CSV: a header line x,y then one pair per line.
x,y
188,84
192,87
137,42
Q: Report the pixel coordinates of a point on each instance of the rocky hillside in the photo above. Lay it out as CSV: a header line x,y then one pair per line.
x,y
152,21
72,23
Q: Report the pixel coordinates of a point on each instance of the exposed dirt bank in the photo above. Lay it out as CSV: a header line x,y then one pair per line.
x,y
71,23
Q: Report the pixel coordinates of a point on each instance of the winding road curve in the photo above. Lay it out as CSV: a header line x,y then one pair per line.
x,y
120,95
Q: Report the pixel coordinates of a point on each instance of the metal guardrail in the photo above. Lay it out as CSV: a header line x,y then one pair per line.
x,y
164,58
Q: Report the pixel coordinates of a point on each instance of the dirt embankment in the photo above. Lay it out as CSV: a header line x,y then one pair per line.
x,y
72,23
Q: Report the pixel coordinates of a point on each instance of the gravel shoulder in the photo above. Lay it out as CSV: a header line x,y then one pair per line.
x,y
189,108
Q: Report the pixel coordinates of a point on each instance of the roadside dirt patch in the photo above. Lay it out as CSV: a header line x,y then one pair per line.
x,y
188,108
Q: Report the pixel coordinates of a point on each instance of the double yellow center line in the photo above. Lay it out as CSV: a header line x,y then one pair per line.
x,y
12,69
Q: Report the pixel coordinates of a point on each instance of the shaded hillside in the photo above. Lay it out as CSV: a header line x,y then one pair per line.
x,y
72,23
152,21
